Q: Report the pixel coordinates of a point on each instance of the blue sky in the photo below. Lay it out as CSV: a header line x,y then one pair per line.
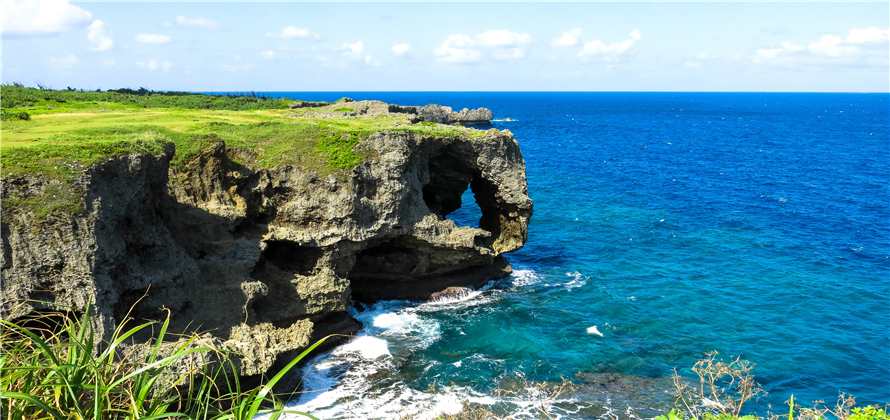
x,y
411,46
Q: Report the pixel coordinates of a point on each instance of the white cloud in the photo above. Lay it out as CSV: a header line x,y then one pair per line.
x,y
691,64
64,62
292,32
500,38
401,49
36,18
870,34
99,36
268,54
371,62
830,45
861,48
769,54
503,45
456,49
153,38
166,65
199,22
353,50
108,63
612,52
568,39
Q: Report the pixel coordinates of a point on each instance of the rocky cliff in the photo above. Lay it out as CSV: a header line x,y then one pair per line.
x,y
265,261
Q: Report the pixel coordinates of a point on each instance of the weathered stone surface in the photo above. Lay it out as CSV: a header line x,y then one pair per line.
x,y
264,262
429,113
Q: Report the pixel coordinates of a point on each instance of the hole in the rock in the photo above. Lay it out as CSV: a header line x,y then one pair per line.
x,y
289,256
469,212
455,190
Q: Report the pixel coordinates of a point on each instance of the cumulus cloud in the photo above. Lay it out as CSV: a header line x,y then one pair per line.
x,y
268,54
456,49
768,54
153,38
501,44
401,49
568,39
293,32
870,34
198,22
371,62
353,50
100,36
831,46
610,53
861,47
38,18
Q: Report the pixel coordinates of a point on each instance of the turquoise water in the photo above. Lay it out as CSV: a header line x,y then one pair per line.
x,y
754,224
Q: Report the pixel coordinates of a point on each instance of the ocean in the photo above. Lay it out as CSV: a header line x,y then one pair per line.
x,y
666,225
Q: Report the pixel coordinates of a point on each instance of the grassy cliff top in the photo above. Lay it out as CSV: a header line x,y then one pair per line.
x,y
56,134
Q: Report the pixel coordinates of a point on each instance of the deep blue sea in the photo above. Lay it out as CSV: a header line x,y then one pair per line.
x,y
753,224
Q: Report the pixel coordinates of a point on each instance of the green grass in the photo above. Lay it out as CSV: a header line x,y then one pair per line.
x,y
69,131
15,96
56,368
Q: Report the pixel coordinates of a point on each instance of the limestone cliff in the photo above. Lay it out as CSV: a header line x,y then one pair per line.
x,y
265,261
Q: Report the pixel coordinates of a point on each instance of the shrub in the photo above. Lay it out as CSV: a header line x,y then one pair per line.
x,y
724,388
9,115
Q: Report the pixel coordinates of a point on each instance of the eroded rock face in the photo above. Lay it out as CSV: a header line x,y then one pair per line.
x,y
267,261
428,113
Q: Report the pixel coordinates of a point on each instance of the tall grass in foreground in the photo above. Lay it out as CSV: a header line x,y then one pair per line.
x,y
57,369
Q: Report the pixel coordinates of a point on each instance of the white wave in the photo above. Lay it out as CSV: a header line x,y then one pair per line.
x,y
368,347
524,278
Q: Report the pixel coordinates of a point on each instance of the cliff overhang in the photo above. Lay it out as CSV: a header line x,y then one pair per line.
x,y
263,260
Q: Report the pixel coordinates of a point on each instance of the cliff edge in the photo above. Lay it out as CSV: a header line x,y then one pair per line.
x,y
265,260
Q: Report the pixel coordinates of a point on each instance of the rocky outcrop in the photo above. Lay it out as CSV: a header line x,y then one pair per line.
x,y
429,113
266,261
445,115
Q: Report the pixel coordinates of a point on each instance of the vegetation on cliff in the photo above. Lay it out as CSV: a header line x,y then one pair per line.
x,y
67,131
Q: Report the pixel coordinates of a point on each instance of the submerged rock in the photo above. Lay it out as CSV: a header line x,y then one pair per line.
x,y
264,262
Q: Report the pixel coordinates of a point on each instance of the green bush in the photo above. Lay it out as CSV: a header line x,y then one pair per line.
x,y
9,115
